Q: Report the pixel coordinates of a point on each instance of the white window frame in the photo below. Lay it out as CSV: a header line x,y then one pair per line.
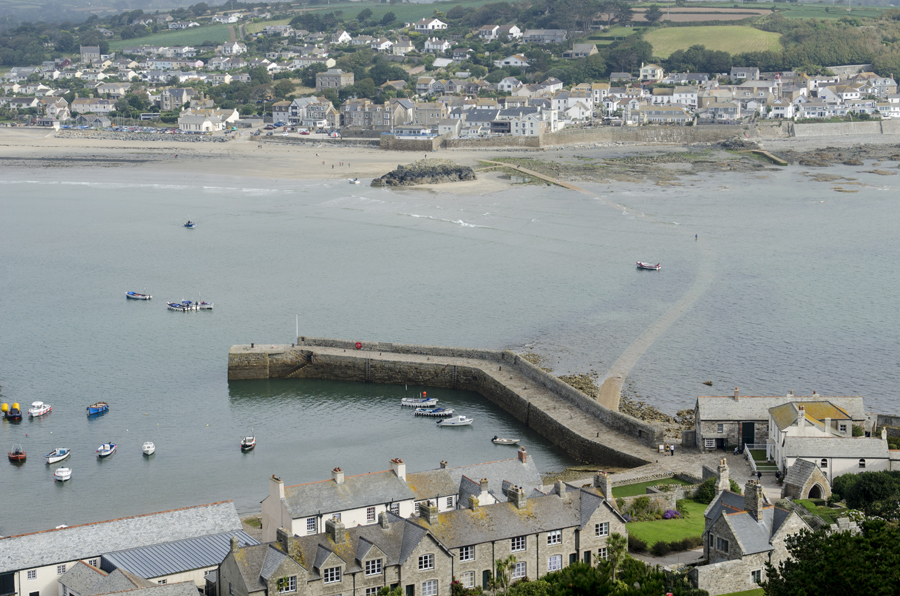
x,y
467,553
603,553
519,571
554,563
554,537
430,587
310,525
518,544
374,567
843,428
450,502
418,506
862,463
60,569
823,463
467,579
32,574
288,584
332,575
709,443
601,529
372,591
756,576
395,508
720,428
426,562
370,514
161,582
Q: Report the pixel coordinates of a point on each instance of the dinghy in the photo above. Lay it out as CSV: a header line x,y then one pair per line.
x,y
106,449
62,474
456,421
58,454
439,412
137,296
16,454
643,265
498,441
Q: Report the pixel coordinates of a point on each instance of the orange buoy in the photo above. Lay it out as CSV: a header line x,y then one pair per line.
x,y
358,346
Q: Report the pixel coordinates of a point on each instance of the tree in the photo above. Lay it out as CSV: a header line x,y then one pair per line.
x,y
308,78
839,563
500,580
283,88
364,15
200,9
259,75
654,13
388,18
617,550
65,42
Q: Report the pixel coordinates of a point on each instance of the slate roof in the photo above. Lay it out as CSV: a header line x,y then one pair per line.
x,y
726,408
786,415
513,471
433,483
175,557
249,561
81,577
118,581
799,473
179,589
326,496
839,447
89,540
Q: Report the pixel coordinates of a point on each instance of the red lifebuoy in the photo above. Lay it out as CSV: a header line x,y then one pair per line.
x,y
358,346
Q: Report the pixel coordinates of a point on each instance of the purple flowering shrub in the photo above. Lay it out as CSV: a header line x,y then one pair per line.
x,y
670,514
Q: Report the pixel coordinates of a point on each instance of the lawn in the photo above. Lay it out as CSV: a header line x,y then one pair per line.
x,y
633,490
756,592
671,529
184,37
733,40
827,513
260,25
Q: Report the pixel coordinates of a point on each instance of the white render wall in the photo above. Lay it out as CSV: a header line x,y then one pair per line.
x,y
838,466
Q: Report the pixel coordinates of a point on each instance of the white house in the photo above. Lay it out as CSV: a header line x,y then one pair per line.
x,y
509,84
436,46
430,25
516,60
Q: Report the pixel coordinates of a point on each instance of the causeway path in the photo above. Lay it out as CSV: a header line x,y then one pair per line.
x,y
611,386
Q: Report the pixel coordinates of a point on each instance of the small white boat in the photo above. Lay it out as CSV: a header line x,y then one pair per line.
x,y
137,296
353,180
62,474
456,421
38,408
205,305
106,449
190,225
423,401
248,443
643,265
439,412
498,441
58,454
148,448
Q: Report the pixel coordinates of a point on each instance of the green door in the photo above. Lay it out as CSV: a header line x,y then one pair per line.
x,y
748,433
486,579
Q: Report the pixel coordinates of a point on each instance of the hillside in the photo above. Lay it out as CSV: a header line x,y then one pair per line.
x,y
733,40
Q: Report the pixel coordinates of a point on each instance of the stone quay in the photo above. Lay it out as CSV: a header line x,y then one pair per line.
x,y
574,422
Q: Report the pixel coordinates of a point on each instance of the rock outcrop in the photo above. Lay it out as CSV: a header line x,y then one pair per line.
x,y
426,171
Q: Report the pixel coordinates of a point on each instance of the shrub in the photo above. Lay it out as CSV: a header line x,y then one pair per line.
x,y
661,549
636,545
682,510
670,513
707,491
641,504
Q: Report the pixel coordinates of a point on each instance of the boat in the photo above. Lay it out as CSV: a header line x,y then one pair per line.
x,y
148,448
58,454
353,180
62,474
456,421
106,449
12,412
248,443
184,305
418,402
439,412
39,408
98,408
190,224
498,441
137,296
643,265
16,454
205,305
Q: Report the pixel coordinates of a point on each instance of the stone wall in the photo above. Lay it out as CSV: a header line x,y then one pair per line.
x,y
670,135
141,136
319,142
728,576
490,142
427,144
890,423
837,129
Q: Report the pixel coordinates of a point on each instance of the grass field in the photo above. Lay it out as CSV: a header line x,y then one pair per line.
x,y
633,490
259,26
184,37
652,532
733,40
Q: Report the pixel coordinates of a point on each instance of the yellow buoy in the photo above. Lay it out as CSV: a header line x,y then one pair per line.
x,y
4,408
16,406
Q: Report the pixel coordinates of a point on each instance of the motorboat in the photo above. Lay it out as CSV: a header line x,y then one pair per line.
x,y
106,449
456,421
184,305
62,474
137,296
190,224
498,441
100,407
148,448
205,305
39,408
418,402
643,265
58,454
12,412
439,412
248,443
353,180
16,454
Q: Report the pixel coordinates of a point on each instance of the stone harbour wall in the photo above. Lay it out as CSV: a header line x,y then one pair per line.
x,y
140,136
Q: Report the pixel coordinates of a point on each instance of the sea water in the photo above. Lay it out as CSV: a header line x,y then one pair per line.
x,y
788,285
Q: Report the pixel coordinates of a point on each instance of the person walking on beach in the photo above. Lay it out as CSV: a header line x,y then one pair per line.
x,y
672,449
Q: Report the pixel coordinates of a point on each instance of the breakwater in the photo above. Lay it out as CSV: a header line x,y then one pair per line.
x,y
583,428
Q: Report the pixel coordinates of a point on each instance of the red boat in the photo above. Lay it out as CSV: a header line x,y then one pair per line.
x,y
643,265
16,454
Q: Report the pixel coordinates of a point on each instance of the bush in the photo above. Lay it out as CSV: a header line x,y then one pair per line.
x,y
670,513
707,491
661,549
636,545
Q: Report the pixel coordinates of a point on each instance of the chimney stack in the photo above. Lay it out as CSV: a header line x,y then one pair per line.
x,y
276,487
753,499
883,434
235,544
473,502
801,416
560,489
523,455
603,482
723,483
517,497
383,519
828,426
444,464
429,512
484,485
338,476
737,396
398,468
335,530
286,541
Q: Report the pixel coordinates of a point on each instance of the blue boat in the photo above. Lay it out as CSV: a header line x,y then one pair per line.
x,y
190,224
439,412
106,449
98,408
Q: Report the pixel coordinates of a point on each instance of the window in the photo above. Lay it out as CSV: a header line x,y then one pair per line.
x,y
554,537
371,591
60,569
370,514
709,443
520,571
37,593
843,428
712,541
862,463
603,553
429,588
94,562
373,567
450,502
289,584
426,562
310,525
32,574
722,545
518,544
467,553
601,529
756,575
417,508
161,582
467,579
395,508
823,463
332,575
554,563
720,428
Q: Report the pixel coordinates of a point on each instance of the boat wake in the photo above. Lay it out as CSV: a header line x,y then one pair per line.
x,y
458,222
